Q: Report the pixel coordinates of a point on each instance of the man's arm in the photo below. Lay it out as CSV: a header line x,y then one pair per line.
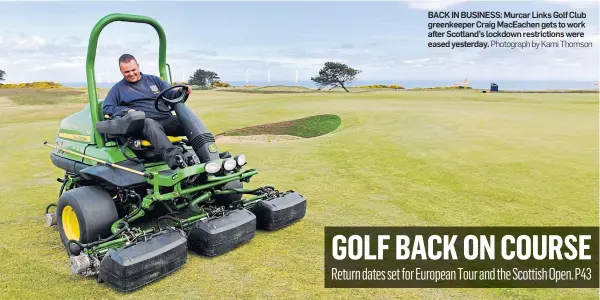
x,y
110,105
163,85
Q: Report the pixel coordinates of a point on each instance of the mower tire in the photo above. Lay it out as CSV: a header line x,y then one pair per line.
x,y
85,214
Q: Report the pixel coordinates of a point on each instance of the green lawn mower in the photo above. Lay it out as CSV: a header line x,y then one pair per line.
x,y
125,217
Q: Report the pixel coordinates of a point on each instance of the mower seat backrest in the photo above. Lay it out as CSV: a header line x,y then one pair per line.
x,y
128,125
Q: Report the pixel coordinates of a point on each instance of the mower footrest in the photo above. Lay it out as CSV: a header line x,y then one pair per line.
x,y
144,262
223,234
279,212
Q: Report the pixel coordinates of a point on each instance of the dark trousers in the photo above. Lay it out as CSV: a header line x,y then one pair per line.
x,y
157,131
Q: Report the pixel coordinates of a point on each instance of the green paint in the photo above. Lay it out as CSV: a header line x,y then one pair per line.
x,y
216,181
147,201
170,78
108,154
79,123
71,145
115,226
201,198
167,179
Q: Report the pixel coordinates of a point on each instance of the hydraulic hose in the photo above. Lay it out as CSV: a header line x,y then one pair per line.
x,y
116,233
98,242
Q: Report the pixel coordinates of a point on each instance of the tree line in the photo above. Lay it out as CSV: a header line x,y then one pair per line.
x,y
334,74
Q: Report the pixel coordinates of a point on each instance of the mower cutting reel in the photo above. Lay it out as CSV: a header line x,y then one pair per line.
x,y
125,217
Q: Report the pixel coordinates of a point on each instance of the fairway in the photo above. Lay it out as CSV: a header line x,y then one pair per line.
x,y
405,158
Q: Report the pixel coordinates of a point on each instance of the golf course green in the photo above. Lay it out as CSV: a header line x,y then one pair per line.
x,y
393,158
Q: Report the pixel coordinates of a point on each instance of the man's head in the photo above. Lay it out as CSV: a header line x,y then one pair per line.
x,y
129,68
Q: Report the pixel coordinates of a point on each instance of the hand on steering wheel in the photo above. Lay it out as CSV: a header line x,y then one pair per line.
x,y
171,102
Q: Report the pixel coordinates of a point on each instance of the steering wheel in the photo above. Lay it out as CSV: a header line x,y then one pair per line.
x,y
180,99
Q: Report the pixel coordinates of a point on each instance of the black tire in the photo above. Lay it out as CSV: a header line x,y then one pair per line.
x,y
95,213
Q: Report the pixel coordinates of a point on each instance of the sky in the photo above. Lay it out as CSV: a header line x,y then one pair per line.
x,y
47,41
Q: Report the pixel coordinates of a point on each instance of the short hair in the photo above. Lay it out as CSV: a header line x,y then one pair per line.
x,y
125,58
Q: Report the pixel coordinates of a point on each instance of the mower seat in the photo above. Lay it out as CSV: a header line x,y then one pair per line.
x,y
129,125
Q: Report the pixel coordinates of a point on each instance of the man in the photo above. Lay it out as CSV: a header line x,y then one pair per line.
x,y
136,92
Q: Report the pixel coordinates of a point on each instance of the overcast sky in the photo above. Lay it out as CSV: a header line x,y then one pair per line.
x,y
386,40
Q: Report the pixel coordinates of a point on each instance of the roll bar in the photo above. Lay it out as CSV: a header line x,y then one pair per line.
x,y
91,59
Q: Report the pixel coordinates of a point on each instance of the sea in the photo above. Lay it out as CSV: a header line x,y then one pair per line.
x,y
507,85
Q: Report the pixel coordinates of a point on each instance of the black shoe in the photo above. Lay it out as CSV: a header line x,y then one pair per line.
x,y
174,159
180,161
176,162
191,158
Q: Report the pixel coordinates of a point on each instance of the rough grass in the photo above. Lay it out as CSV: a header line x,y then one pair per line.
x,y
457,158
283,88
555,91
275,89
37,96
308,127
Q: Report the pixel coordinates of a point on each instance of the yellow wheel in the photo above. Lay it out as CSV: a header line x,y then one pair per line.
x,y
84,214
70,223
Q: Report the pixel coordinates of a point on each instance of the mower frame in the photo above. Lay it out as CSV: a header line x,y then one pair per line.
x,y
79,144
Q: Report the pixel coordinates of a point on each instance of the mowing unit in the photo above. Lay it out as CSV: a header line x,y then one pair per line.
x,y
125,217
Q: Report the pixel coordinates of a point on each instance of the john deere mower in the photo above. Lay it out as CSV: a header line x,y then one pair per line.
x,y
128,219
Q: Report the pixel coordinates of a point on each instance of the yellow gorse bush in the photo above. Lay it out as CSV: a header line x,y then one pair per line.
x,y
36,85
221,84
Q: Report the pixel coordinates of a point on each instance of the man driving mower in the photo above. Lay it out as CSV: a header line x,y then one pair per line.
x,y
137,92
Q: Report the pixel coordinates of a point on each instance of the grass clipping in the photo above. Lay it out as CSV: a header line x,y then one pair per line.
x,y
308,127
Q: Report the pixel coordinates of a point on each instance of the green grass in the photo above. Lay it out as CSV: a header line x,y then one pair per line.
x,y
283,88
276,89
432,158
308,127
35,96
289,89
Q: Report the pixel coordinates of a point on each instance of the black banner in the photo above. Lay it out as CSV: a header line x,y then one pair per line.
x,y
461,257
